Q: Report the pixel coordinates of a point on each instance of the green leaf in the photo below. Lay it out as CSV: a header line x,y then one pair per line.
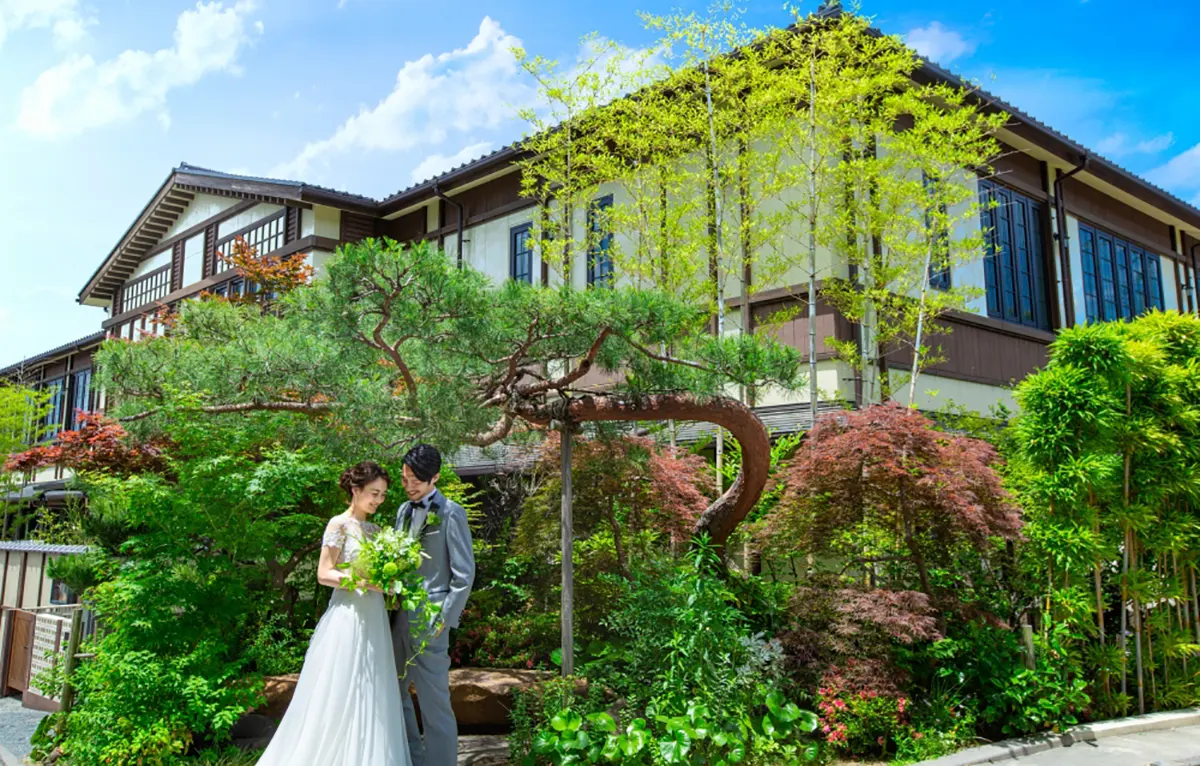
x,y
612,748
808,721
602,722
545,742
567,720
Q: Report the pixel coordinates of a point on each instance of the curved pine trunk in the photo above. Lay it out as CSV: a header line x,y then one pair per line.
x,y
727,511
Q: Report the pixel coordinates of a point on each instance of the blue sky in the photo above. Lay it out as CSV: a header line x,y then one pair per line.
x,y
99,100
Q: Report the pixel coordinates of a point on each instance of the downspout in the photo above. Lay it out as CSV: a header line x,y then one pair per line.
x,y
1193,281
1064,242
437,192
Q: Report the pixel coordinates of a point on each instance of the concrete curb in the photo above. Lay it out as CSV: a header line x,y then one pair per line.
x,y
1014,748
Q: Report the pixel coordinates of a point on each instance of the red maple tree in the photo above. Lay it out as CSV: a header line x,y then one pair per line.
x,y
656,487
929,491
97,444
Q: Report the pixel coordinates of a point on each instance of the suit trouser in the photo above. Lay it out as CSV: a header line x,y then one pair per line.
x,y
430,674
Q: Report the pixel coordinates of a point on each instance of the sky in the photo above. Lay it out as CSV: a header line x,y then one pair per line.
x,y
100,100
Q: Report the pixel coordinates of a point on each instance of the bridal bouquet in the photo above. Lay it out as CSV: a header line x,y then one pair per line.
x,y
389,561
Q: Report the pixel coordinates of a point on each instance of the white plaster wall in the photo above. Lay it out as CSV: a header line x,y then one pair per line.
x,y
486,246
308,222
245,218
327,221
203,207
317,259
33,577
934,393
193,260
155,261
834,381
13,577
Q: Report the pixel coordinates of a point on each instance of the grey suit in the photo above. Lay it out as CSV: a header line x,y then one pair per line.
x,y
448,572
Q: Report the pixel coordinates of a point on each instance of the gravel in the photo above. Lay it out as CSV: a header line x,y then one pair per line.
x,y
17,725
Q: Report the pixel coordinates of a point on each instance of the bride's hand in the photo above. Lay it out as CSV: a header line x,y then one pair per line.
x,y
375,589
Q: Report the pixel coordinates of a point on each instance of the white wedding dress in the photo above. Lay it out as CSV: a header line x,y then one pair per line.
x,y
346,710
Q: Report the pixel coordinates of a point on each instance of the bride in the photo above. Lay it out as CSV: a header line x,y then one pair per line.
x,y
346,710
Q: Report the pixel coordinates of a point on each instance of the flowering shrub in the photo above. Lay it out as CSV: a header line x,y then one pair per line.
x,y
860,721
506,641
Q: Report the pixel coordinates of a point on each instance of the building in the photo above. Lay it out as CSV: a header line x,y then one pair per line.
x,y
1076,237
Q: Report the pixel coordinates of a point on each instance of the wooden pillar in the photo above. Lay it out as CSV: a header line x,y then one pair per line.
x,y
21,580
568,548
42,578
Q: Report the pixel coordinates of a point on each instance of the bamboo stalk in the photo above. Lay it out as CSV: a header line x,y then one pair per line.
x,y
1124,615
1137,638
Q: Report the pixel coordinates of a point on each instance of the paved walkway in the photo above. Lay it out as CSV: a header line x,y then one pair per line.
x,y
1174,747
17,725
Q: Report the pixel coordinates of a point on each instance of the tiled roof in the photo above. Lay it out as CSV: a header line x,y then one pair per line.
x,y
34,546
503,153
196,170
931,67
960,81
74,345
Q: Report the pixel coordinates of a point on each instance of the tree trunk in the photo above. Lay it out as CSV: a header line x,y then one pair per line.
x,y
813,392
916,365
568,550
728,510
622,562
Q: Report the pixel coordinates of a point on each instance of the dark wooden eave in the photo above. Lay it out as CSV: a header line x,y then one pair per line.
x,y
146,232
75,346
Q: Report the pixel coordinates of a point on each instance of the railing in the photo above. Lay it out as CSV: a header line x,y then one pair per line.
x,y
145,290
265,235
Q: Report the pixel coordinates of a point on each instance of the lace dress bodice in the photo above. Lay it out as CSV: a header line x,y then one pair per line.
x,y
348,534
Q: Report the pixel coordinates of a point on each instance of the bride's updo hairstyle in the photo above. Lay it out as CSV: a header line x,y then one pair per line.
x,y
359,476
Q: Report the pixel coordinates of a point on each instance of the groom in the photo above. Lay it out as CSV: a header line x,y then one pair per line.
x,y
441,526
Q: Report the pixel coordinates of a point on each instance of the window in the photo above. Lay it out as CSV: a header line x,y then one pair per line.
x,y
1014,260
1120,280
520,253
599,257
58,396
60,594
80,389
939,265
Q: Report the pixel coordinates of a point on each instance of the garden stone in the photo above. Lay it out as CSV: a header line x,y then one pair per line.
x,y
481,697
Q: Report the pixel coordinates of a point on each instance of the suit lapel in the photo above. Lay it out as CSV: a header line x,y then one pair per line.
x,y
400,516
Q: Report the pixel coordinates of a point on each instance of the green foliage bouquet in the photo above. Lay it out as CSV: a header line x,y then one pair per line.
x,y
389,560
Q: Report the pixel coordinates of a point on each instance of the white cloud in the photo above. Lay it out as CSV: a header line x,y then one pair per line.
x,y
64,18
1180,174
458,92
80,94
436,164
1119,145
939,44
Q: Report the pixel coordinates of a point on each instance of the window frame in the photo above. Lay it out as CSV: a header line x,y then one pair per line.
x,y
1137,283
600,272
1016,279
513,234
58,401
81,383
